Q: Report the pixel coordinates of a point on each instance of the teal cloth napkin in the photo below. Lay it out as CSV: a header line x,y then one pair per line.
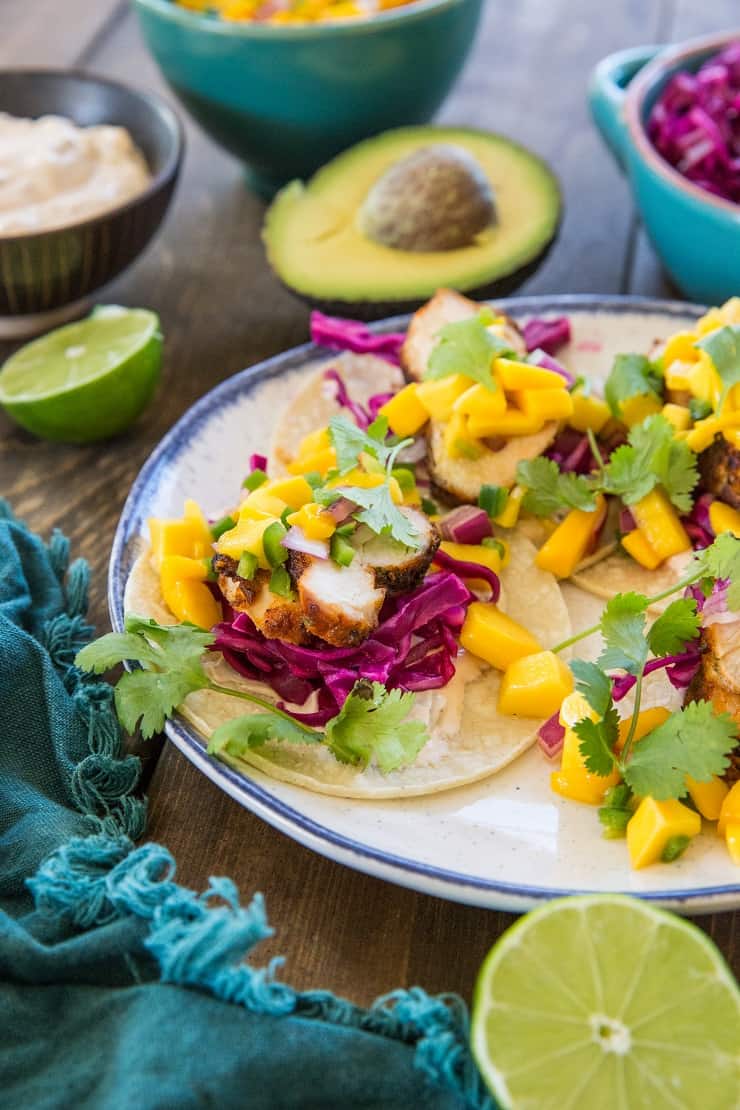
x,y
118,986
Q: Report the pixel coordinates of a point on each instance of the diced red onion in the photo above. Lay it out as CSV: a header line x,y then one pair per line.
x,y
258,462
550,736
465,569
342,509
352,335
627,522
538,357
698,523
376,402
296,540
550,335
466,524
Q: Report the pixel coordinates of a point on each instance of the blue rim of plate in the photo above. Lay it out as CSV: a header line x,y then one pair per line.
x,y
406,872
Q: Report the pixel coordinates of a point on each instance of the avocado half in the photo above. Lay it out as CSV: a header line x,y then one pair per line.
x,y
348,241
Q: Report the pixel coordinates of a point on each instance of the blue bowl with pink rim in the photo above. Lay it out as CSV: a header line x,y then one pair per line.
x,y
696,234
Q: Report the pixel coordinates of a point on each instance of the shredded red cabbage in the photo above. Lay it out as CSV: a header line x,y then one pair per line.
x,y
695,124
698,524
352,335
571,450
548,335
464,569
679,669
413,648
627,522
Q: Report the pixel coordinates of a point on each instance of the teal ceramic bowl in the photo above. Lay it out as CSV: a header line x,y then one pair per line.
x,y
696,234
285,99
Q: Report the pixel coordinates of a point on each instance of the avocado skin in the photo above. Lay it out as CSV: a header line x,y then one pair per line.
x,y
378,310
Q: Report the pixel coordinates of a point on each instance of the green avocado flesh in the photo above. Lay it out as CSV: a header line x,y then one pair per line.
x,y
315,242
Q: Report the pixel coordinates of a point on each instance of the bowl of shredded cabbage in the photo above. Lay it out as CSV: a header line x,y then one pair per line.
x,y
671,117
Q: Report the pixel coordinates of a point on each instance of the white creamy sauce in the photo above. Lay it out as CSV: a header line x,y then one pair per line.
x,y
53,173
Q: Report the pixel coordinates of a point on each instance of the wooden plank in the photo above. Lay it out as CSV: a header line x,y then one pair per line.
x,y
43,33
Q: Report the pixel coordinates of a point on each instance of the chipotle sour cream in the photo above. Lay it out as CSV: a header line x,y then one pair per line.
x,y
53,173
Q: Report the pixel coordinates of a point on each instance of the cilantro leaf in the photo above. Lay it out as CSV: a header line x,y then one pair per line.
x,y
236,737
623,628
652,456
721,560
371,727
109,650
181,645
593,684
148,698
597,740
549,489
467,347
381,514
695,741
350,442
631,375
676,625
723,347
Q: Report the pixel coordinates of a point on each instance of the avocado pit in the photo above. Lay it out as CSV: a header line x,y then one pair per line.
x,y
436,199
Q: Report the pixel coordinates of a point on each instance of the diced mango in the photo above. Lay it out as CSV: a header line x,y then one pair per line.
x,y
728,313
509,515
495,637
194,515
724,518
648,720
677,415
588,412
481,401
633,410
545,404
513,422
636,545
677,376
654,824
704,381
702,434
185,593
458,441
262,502
658,521
405,412
246,536
732,840
708,796
473,553
574,780
730,810
313,442
681,347
534,686
362,480
190,536
523,375
732,435
320,461
294,492
439,396
315,522
563,550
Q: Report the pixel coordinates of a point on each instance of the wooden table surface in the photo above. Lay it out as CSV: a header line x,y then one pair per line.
x,y
221,310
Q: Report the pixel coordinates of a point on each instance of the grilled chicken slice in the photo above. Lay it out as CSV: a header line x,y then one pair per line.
x,y
718,679
339,604
719,471
462,479
445,307
396,568
276,617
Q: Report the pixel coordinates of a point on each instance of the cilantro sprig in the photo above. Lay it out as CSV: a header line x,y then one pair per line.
x,y
370,727
549,488
631,375
723,347
468,347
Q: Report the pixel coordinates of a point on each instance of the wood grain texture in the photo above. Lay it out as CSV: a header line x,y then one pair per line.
x,y
221,309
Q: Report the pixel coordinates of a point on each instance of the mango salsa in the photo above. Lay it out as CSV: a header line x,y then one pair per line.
x,y
294,492
730,809
588,412
708,797
512,422
405,412
190,536
633,410
563,550
677,415
654,824
438,397
495,637
509,515
724,518
636,545
535,685
481,401
658,521
523,375
186,595
574,780
315,522
459,441
474,553
545,404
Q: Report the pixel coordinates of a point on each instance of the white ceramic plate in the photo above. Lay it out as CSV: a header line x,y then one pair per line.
x,y
507,842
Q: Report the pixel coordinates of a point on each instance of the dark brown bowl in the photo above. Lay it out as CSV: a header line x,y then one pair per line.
x,y
46,272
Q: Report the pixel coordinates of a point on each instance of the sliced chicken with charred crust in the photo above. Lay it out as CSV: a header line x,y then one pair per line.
x,y
397,568
276,617
239,592
461,479
445,307
719,471
340,604
718,679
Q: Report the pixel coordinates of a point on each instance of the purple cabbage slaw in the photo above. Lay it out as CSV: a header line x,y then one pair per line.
x,y
413,648
547,335
695,124
363,417
339,334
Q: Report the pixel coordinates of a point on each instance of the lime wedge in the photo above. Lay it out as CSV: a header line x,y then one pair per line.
x,y
604,1002
85,381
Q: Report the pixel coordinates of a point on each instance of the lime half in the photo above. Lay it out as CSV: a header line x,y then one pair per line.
x,y
605,1003
87,380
